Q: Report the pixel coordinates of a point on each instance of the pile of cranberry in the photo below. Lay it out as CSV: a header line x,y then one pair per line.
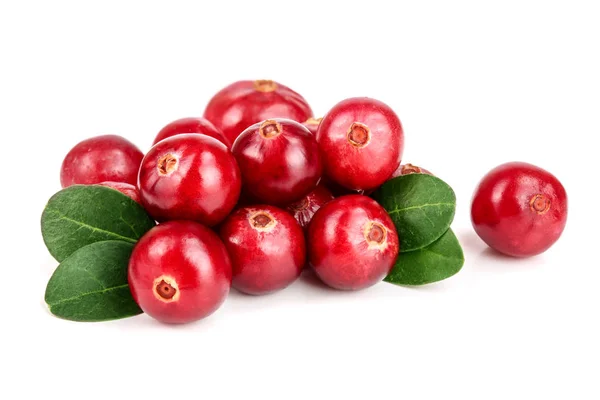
x,y
251,193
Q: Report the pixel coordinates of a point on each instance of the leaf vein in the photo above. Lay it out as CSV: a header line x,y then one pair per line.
x,y
83,225
87,294
399,210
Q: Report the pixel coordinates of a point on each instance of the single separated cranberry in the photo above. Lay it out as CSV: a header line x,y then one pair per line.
x,y
304,209
179,272
191,125
352,243
99,159
125,188
279,160
519,209
312,124
266,246
362,141
245,103
192,177
407,169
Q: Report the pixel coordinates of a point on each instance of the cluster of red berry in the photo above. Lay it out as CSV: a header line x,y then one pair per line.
x,y
258,188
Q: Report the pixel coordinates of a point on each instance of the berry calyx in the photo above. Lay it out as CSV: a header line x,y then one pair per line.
x,y
167,164
270,129
166,289
265,85
540,204
359,134
262,221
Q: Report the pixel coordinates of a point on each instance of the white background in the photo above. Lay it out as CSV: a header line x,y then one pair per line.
x,y
475,85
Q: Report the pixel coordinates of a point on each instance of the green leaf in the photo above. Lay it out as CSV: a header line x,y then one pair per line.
x,y
80,215
91,284
421,206
433,263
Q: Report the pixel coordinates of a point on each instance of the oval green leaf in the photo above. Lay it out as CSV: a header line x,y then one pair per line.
x,y
433,263
80,215
91,284
421,206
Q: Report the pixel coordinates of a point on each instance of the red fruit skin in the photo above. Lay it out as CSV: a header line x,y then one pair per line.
x,y
125,188
506,216
279,169
264,259
188,255
244,103
303,210
100,159
407,169
312,124
204,185
338,248
360,166
191,125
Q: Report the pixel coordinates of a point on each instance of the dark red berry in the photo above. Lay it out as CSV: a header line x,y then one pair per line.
x,y
352,243
312,124
193,177
407,169
125,188
304,209
279,160
361,140
266,246
519,209
100,159
245,103
179,272
191,125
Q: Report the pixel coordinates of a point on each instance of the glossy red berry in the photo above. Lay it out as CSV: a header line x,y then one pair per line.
x,y
362,141
304,209
125,188
279,160
192,177
519,209
312,124
99,159
266,246
407,169
179,272
245,103
191,125
352,243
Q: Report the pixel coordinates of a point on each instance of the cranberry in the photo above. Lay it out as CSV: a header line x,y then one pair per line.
x,y
266,246
100,159
304,209
407,169
193,177
179,272
125,188
363,140
312,124
245,103
352,243
191,125
519,209
279,160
